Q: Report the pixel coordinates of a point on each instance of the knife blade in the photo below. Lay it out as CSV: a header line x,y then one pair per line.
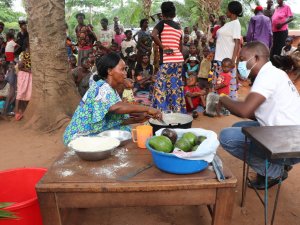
x,y
135,172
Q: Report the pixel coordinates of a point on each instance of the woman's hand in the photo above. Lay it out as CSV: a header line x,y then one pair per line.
x,y
139,117
154,113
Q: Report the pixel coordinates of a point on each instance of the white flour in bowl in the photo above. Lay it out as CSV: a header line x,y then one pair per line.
x,y
94,144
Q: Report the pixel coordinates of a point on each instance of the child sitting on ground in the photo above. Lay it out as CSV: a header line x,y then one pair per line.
x,y
115,48
193,95
288,48
10,79
100,50
72,62
143,75
193,51
281,60
191,66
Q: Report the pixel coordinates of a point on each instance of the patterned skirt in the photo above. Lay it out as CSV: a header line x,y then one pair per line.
x,y
168,89
233,84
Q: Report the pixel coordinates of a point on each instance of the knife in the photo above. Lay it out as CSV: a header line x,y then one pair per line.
x,y
134,173
218,168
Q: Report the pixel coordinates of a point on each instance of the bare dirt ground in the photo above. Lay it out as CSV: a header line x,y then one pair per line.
x,y
26,148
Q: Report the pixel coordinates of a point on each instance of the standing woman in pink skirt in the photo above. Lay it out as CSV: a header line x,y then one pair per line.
x,y
24,83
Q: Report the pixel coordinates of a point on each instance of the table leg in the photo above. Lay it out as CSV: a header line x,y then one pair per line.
x,y
223,207
49,209
277,193
245,173
266,192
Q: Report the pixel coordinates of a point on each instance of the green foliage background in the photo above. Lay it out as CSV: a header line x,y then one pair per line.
x,y
8,16
130,12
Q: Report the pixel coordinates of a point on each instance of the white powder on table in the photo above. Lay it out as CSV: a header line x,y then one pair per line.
x,y
65,158
66,173
110,171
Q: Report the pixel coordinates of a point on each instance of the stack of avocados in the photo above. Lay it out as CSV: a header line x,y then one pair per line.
x,y
167,141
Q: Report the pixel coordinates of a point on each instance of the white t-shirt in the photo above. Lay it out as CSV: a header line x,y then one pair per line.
x,y
105,37
10,46
225,39
127,44
282,104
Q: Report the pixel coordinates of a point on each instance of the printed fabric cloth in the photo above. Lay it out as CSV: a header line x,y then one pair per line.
x,y
168,92
83,37
92,116
25,58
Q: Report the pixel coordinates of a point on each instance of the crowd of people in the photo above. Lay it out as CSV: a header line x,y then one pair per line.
x,y
15,70
177,68
125,77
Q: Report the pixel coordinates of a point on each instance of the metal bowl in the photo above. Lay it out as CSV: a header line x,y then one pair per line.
x,y
172,120
95,154
121,135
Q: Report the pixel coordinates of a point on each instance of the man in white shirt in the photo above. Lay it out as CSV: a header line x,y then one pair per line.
x,y
272,101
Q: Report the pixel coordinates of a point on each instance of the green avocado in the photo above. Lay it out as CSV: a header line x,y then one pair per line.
x,y
195,148
183,144
200,139
190,137
161,144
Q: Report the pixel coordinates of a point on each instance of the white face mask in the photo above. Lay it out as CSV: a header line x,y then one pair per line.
x,y
242,68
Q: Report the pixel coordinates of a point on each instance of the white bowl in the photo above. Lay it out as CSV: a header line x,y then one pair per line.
x,y
93,148
121,135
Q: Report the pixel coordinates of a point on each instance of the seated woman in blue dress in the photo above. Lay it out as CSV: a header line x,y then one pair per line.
x,y
101,108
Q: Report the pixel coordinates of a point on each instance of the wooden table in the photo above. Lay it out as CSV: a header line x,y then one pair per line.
x,y
277,142
74,183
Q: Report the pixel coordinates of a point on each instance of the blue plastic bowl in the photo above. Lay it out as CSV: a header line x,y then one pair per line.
x,y
172,164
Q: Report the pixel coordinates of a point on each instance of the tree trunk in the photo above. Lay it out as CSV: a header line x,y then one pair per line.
x,y
207,7
91,13
54,95
147,8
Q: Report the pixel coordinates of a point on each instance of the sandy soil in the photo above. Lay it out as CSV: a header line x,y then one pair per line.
x,y
26,148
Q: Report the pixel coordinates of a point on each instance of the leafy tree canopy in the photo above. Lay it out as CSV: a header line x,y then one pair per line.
x,y
130,12
5,3
8,16
295,24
